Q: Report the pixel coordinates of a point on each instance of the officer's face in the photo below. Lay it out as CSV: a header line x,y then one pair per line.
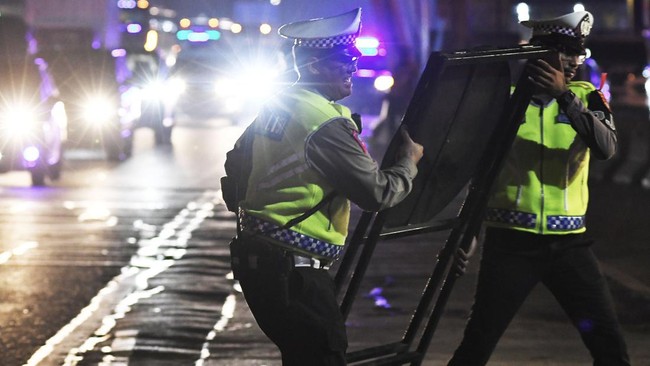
x,y
570,63
336,76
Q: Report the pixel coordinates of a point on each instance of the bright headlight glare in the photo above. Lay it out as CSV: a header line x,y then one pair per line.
x,y
98,109
31,154
178,85
153,90
18,119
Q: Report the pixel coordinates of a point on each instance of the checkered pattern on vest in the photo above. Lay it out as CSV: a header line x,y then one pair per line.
x,y
528,220
330,42
523,219
560,223
289,237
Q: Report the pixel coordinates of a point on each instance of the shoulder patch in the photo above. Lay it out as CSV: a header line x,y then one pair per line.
x,y
273,124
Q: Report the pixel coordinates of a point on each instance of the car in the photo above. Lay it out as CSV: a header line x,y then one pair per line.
x,y
226,75
97,115
33,119
152,95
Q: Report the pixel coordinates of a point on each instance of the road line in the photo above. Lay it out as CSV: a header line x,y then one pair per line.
x,y
18,251
122,289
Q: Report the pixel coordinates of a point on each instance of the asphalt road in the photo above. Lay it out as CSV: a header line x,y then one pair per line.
x,y
154,289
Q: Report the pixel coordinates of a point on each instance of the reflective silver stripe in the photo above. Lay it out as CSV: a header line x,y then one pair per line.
x,y
282,163
284,176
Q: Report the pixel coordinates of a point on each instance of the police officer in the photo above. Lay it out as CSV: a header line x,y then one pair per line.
x,y
308,163
536,215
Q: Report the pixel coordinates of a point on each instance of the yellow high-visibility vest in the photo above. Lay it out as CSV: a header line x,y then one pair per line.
x,y
542,187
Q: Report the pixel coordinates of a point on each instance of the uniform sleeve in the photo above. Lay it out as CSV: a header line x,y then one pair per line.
x,y
336,152
594,125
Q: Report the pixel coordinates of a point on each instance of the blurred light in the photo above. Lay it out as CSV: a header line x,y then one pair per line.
x,y
134,28
214,35
167,26
31,154
646,72
119,52
365,73
143,4
236,28
578,7
182,35
213,22
523,12
98,110
225,23
152,41
126,4
384,83
275,2
17,119
198,37
265,28
184,23
367,45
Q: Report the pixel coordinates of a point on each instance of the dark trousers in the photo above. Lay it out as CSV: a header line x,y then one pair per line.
x,y
295,307
512,264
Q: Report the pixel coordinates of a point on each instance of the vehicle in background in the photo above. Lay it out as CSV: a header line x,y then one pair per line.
x,y
32,117
95,48
97,118
32,120
225,74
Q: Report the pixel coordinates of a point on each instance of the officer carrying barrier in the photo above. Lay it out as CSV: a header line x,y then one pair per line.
x,y
465,116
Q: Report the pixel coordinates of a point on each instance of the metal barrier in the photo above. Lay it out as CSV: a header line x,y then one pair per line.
x,y
456,91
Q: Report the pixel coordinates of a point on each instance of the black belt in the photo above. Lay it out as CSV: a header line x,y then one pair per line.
x,y
253,251
302,261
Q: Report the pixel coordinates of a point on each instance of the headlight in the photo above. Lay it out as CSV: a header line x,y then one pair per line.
x,y
383,83
18,119
98,110
255,84
163,90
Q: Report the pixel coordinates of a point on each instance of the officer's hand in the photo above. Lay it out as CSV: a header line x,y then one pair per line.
x,y
410,148
462,257
547,78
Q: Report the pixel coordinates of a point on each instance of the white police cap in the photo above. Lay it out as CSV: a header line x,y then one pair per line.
x,y
577,24
324,33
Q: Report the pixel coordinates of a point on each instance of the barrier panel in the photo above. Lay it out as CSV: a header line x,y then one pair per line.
x,y
466,116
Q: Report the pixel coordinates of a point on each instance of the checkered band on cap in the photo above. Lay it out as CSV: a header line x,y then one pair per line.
x,y
330,42
289,237
564,223
551,28
517,218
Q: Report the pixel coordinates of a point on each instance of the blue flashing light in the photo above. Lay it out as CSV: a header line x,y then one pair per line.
x,y
198,36
368,46
214,35
126,4
182,35
134,28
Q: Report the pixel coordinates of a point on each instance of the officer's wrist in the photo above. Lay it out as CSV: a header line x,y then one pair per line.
x,y
566,98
